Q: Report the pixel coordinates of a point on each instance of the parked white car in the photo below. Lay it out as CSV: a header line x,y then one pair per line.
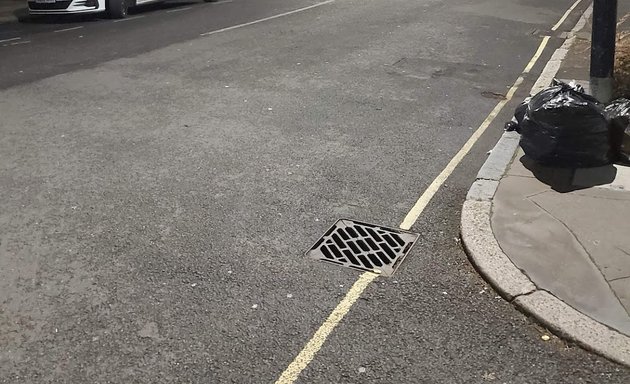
x,y
117,9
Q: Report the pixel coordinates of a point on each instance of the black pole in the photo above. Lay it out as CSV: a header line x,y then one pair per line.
x,y
603,48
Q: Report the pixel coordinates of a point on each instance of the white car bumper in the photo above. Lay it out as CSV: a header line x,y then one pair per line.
x,y
56,7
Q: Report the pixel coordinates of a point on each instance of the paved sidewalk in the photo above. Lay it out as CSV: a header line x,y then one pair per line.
x,y
555,241
568,231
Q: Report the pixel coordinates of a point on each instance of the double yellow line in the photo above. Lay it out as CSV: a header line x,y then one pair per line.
x,y
306,355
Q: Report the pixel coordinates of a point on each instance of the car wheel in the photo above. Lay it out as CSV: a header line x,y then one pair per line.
x,y
117,9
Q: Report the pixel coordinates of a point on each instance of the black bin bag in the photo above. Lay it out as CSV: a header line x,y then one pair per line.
x,y
564,127
618,115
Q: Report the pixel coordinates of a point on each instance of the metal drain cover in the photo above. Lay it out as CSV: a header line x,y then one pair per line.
x,y
363,246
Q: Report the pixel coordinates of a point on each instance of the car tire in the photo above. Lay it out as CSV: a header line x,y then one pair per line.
x,y
117,9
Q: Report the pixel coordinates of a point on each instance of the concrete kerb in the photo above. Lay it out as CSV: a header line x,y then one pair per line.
x,y
495,266
570,324
486,254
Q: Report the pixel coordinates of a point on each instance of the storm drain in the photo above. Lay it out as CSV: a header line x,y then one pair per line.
x,y
363,246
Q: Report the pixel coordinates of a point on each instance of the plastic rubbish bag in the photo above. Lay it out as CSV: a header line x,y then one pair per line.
x,y
618,112
519,115
618,115
562,126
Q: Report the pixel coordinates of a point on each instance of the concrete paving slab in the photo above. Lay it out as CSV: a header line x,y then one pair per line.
x,y
517,168
549,253
559,179
490,260
576,64
599,225
594,176
622,289
602,193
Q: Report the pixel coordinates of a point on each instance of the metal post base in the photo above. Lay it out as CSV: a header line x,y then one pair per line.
x,y
602,88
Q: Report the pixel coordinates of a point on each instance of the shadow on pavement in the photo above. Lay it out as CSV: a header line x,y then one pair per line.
x,y
562,179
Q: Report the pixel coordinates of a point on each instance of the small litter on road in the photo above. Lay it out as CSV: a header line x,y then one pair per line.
x,y
545,337
362,369
254,306
289,295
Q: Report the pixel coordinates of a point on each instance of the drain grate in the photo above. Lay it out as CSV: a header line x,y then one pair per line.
x,y
363,246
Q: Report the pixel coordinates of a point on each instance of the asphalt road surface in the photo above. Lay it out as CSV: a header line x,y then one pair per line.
x,y
159,189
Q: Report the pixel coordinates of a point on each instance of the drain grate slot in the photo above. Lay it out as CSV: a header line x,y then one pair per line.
x,y
361,231
337,240
351,232
374,260
390,241
354,248
365,263
363,246
373,234
326,252
372,244
336,252
382,256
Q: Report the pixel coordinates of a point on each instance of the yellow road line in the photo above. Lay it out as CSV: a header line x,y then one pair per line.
x,y
315,343
541,49
428,194
566,14
306,355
